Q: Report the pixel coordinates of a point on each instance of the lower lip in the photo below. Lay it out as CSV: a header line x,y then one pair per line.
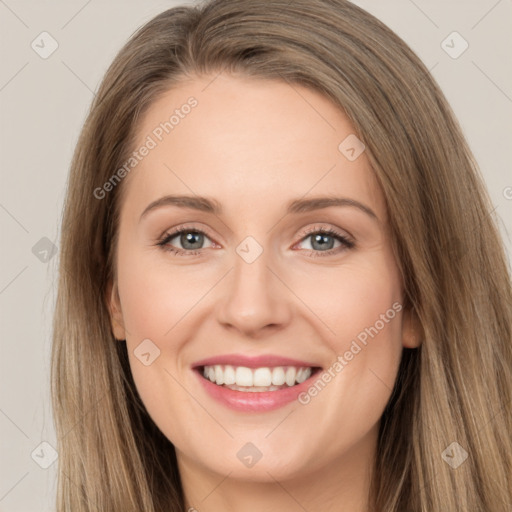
x,y
248,401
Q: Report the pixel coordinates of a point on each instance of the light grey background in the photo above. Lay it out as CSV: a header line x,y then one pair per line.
x,y
43,105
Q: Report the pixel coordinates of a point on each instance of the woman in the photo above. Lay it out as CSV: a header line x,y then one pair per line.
x,y
338,334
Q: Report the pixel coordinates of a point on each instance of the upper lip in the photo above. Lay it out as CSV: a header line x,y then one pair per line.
x,y
265,360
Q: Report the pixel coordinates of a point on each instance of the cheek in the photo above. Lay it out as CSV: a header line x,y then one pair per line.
x,y
368,311
360,300
157,302
155,297
361,312
370,323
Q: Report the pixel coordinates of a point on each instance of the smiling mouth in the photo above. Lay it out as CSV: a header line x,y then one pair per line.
x,y
242,378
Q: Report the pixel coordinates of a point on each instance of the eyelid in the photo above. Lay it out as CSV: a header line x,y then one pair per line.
x,y
326,228
184,227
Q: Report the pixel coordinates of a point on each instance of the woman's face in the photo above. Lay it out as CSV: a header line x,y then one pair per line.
x,y
284,268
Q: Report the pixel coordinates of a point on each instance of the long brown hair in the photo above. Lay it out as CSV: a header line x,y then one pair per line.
x,y
457,387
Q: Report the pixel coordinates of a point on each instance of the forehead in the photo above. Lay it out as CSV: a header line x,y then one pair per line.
x,y
248,143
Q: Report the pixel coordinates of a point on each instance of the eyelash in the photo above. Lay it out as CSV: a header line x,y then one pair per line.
x,y
347,242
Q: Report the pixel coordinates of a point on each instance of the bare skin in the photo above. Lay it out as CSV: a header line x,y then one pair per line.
x,y
254,146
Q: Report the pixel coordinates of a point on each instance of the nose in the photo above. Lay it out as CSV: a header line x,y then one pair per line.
x,y
255,301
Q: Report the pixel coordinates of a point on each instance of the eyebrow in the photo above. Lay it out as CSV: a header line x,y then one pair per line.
x,y
208,205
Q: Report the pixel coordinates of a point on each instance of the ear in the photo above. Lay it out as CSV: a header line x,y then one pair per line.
x,y
412,332
114,308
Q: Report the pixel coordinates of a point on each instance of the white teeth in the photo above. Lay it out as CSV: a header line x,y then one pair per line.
x,y
303,374
278,377
219,375
290,376
257,379
262,377
229,375
243,376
